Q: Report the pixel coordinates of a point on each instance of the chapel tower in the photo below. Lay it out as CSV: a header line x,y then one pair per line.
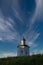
x,y
23,48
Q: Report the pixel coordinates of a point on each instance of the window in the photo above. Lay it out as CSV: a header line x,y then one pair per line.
x,y
22,51
26,52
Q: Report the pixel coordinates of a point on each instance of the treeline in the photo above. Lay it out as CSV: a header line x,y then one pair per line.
x,y
28,60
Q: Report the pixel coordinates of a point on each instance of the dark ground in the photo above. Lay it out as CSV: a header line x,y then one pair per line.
x,y
28,60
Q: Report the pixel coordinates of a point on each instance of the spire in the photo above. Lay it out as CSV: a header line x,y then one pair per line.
x,y
23,41
23,38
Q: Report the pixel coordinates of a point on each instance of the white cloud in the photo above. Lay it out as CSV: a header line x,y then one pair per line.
x,y
7,54
7,24
6,27
35,36
17,15
38,13
32,33
31,36
1,39
36,51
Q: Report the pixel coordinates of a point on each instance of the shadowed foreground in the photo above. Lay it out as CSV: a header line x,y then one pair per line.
x,y
29,60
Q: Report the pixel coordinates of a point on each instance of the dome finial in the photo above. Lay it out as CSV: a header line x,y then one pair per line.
x,y
23,38
23,41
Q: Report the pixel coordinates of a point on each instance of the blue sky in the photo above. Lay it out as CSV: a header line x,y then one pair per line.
x,y
21,18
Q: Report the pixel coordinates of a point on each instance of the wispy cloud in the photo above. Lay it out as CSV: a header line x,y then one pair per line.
x,y
37,13
17,15
7,54
7,31
32,32
36,51
8,24
31,36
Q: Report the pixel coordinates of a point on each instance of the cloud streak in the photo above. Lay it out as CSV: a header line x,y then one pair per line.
x,y
8,25
7,31
32,33
38,12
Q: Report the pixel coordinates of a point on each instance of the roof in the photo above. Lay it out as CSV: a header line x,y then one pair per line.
x,y
22,45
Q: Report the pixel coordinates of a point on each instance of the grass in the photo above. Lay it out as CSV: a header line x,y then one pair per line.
x,y
24,60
